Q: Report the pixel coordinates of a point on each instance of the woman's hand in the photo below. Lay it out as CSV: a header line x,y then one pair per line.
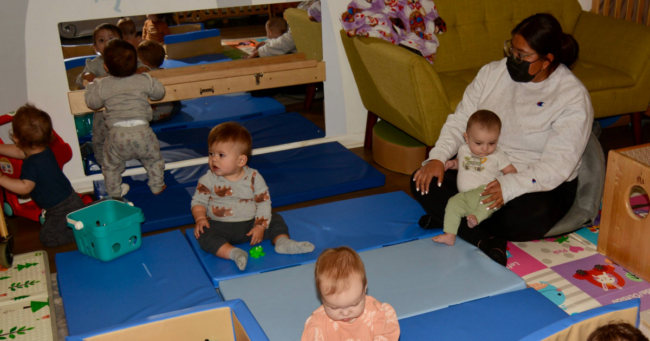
x,y
493,191
424,175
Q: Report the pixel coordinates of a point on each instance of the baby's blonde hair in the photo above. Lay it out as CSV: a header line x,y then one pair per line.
x,y
334,267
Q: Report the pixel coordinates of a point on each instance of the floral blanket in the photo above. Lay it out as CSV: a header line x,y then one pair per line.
x,y
410,23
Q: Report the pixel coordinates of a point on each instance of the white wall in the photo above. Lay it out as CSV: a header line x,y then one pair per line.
x,y
30,29
13,85
586,4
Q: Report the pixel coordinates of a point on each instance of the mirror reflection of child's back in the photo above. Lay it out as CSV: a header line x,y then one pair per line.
x,y
152,55
129,32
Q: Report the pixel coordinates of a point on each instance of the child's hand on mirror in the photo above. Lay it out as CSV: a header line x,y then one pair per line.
x,y
88,77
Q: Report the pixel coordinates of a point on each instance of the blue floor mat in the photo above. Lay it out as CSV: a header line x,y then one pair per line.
x,y
210,111
162,276
524,311
293,176
197,60
415,277
187,144
363,224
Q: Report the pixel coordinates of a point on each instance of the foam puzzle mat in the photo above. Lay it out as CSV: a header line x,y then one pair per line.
x,y
569,271
25,295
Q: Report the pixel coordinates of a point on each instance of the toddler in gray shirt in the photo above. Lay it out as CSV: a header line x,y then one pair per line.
x,y
125,95
232,204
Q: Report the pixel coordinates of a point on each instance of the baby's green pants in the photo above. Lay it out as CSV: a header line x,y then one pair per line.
x,y
463,204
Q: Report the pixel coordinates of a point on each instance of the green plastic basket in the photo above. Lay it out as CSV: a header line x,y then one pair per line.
x,y
107,229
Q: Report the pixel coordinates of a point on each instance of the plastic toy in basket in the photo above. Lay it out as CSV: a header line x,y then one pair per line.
x,y
107,229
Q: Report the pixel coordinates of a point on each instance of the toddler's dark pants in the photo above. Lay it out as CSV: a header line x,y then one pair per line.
x,y
234,233
55,230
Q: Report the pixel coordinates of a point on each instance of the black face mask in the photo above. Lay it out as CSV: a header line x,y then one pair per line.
x,y
519,71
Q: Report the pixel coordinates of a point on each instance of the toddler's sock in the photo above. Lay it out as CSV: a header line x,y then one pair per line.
x,y
292,247
240,257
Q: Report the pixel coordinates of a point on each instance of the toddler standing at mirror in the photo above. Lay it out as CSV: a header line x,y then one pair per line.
x,y
125,95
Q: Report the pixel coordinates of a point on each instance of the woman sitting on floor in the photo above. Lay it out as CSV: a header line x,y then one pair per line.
x,y
547,116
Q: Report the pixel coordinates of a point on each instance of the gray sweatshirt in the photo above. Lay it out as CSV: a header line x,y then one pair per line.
x,y
125,98
229,201
545,126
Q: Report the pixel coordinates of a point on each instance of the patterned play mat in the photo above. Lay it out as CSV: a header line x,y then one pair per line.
x,y
572,274
25,296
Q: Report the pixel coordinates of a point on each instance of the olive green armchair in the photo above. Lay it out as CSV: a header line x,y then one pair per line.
x,y
404,89
308,37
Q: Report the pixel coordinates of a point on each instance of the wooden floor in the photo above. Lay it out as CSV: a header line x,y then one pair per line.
x,y
26,231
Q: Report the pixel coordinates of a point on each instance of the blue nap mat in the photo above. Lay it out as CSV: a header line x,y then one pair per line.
x,y
523,312
210,111
192,143
196,60
293,176
162,276
191,36
415,277
363,224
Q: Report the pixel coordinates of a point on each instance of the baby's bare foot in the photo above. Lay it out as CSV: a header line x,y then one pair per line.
x,y
471,220
446,238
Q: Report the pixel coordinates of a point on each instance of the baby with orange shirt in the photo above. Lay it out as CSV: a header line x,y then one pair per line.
x,y
347,312
155,28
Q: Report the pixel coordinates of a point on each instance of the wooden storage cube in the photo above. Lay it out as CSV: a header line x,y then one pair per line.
x,y
223,321
625,237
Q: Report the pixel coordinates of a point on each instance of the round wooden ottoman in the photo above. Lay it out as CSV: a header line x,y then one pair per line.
x,y
395,150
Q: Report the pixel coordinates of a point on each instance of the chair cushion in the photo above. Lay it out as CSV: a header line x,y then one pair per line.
x,y
455,83
597,77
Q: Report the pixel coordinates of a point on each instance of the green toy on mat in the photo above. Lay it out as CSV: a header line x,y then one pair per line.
x,y
257,252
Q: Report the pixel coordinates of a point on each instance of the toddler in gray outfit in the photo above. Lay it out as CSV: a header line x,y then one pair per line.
x,y
125,95
232,204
